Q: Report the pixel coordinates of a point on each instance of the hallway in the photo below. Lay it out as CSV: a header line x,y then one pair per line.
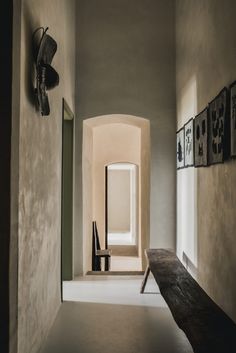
x,y
141,324
152,84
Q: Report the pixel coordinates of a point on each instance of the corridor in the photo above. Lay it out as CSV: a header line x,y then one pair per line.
x,y
150,84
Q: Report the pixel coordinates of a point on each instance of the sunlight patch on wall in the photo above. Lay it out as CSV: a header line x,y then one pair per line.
x,y
187,181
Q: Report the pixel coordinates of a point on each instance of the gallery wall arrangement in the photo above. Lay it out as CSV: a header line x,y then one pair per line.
x,y
180,148
188,144
201,139
233,119
210,137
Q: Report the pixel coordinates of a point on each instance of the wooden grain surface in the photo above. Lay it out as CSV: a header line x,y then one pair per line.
x,y
207,327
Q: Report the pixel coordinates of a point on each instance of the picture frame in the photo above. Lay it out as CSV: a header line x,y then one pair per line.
x,y
189,144
233,119
201,139
219,137
180,148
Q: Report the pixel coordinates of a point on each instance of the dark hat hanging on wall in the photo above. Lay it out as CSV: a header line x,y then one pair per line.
x,y
46,76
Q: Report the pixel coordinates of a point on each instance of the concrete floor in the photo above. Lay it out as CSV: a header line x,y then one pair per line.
x,y
126,263
113,290
120,239
141,325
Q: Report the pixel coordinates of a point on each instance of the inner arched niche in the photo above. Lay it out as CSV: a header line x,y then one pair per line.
x,y
108,139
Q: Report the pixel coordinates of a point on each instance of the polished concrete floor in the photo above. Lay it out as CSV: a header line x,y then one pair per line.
x,y
113,290
126,263
114,317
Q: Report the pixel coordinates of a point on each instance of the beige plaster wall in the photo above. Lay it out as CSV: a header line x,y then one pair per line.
x,y
119,212
206,52
15,177
40,139
126,65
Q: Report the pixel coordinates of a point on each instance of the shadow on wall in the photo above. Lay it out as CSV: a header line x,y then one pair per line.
x,y
30,71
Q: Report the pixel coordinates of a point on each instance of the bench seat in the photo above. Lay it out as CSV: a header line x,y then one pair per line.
x,y
207,327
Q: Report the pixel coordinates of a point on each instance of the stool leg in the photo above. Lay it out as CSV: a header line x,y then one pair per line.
x,y
97,264
107,263
146,274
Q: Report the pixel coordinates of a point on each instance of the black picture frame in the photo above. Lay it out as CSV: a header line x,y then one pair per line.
x,y
201,134
219,137
233,119
189,143
180,149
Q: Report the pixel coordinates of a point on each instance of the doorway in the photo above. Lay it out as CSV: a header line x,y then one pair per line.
x,y
122,204
108,140
121,224
67,191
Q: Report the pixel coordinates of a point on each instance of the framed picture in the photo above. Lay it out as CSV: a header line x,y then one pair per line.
x,y
201,139
180,148
233,119
218,140
188,144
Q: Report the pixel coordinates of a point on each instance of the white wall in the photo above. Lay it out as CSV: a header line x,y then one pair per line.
x,y
187,181
119,212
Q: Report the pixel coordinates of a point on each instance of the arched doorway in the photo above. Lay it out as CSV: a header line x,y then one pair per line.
x,y
122,205
107,140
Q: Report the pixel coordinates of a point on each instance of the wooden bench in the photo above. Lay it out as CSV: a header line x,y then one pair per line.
x,y
207,327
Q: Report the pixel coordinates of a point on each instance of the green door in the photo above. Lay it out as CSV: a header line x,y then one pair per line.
x,y
67,193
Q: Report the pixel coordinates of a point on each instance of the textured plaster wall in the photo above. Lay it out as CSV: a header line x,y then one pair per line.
x,y
15,175
206,52
6,15
126,65
40,143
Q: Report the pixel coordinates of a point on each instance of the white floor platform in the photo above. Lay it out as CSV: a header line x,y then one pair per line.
x,y
120,239
125,263
123,290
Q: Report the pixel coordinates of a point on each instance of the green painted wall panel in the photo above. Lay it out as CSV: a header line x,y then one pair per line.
x,y
67,201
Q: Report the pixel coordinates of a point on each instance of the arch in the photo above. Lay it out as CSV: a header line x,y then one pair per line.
x,y
111,139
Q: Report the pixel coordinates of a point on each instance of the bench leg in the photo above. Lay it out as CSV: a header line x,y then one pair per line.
x,y
146,274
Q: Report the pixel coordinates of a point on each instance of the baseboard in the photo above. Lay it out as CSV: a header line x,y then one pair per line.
x,y
115,273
